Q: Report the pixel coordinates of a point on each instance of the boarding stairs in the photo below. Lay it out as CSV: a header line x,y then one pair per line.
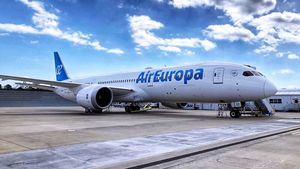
x,y
264,107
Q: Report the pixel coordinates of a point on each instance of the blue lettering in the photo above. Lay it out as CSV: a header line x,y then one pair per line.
x,y
164,78
145,80
198,74
140,78
149,79
161,76
179,75
188,75
171,74
156,76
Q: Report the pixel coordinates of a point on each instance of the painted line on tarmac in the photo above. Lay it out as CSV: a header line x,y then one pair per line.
x,y
112,153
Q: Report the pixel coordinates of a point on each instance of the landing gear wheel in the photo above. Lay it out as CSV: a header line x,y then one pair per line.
x,y
89,111
97,111
127,109
235,114
137,108
130,109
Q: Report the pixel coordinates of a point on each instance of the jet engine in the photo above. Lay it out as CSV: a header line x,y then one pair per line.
x,y
174,105
95,97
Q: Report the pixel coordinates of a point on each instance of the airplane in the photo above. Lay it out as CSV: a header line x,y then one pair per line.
x,y
174,87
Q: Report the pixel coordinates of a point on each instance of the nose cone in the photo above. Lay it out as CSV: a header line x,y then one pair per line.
x,y
270,89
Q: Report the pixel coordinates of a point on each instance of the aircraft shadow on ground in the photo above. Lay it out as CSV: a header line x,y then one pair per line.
x,y
157,113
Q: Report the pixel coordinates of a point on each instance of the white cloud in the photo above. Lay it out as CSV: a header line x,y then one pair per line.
x,y
280,55
169,49
160,1
116,51
286,71
266,49
277,28
46,23
33,42
18,28
189,53
4,34
207,45
138,51
272,28
41,18
290,55
240,11
229,32
293,56
141,27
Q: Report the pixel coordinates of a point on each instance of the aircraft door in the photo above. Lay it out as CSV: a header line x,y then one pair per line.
x,y
218,76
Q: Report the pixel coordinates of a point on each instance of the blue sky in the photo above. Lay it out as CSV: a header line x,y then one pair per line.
x,y
103,36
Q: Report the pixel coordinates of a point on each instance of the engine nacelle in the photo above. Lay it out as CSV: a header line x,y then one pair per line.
x,y
95,97
174,105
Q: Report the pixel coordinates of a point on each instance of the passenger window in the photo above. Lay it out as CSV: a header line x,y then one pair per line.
x,y
248,73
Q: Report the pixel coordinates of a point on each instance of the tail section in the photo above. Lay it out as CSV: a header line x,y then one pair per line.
x,y
60,71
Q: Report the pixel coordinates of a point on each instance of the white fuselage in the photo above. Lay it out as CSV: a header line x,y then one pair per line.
x,y
208,82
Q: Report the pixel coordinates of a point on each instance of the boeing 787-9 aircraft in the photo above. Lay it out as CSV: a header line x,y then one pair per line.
x,y
205,82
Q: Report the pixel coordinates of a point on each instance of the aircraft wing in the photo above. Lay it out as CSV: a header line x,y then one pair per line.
x,y
44,87
41,82
48,84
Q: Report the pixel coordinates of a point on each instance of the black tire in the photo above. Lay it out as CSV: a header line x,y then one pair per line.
x,y
232,114
137,108
127,109
87,111
238,114
97,111
235,114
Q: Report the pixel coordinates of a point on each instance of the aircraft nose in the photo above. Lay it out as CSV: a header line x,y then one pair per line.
x,y
269,89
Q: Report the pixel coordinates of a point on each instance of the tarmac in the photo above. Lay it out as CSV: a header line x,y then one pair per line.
x,y
66,137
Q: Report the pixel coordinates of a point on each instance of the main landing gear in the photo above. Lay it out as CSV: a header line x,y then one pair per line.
x,y
132,108
93,111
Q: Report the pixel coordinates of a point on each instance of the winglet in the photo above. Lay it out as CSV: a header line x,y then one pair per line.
x,y
60,71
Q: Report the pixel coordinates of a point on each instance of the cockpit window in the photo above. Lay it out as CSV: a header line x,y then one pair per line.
x,y
260,73
255,73
248,73
252,73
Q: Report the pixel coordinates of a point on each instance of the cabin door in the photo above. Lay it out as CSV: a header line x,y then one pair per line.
x,y
218,75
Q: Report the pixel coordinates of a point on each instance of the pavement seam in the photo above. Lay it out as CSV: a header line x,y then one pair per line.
x,y
158,162
15,144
